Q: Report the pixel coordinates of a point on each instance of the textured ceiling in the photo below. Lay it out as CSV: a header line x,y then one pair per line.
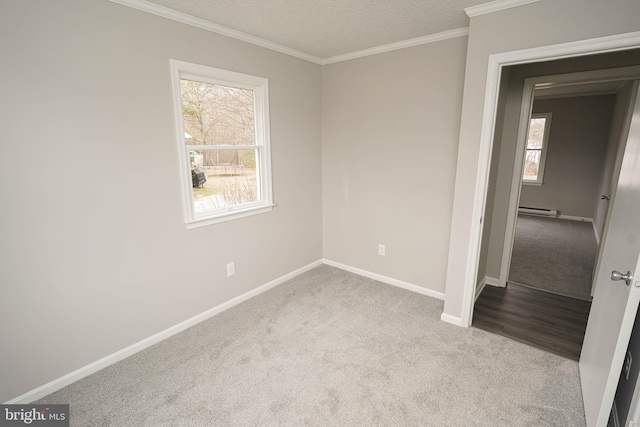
x,y
327,28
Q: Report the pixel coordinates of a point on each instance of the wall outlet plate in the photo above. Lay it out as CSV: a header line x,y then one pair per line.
x,y
381,249
231,269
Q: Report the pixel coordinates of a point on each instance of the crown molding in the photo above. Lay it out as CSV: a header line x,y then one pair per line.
x,y
495,6
459,32
573,95
214,28
184,18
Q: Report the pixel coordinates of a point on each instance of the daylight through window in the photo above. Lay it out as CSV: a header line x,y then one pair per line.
x,y
224,142
536,149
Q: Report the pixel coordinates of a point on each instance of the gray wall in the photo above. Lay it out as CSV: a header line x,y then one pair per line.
x,y
575,156
509,30
90,266
389,134
605,186
488,217
95,255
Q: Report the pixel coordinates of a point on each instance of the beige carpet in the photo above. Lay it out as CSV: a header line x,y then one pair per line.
x,y
330,348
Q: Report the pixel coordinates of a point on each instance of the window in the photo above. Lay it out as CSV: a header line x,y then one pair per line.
x,y
223,143
536,149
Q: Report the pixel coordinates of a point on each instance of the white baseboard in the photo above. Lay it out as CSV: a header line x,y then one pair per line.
x,y
595,233
491,281
454,320
584,219
575,218
91,368
480,288
385,279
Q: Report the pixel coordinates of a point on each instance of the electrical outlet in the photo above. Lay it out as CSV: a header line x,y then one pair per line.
x,y
381,249
231,269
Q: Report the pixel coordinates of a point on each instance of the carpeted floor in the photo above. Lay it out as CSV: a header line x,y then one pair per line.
x,y
330,348
555,255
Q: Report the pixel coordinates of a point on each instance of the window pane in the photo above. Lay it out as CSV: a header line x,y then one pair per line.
x,y
230,178
536,133
217,115
531,165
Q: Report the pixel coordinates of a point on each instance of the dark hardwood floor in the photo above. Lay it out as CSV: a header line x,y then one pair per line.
x,y
548,321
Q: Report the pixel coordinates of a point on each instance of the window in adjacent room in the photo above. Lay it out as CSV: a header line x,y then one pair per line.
x,y
536,149
223,143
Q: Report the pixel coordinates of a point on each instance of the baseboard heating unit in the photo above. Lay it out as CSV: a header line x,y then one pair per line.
x,y
551,213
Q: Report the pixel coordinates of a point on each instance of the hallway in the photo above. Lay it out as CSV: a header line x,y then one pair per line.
x,y
548,321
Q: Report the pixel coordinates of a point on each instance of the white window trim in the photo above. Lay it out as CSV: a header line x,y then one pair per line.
x,y
543,152
260,88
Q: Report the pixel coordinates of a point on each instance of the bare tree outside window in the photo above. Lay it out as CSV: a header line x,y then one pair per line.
x,y
223,140
536,148
217,119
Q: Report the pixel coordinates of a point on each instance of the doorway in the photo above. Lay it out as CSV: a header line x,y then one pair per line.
x,y
564,163
566,168
557,173
614,306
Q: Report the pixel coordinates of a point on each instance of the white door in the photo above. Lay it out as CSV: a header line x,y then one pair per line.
x,y
614,304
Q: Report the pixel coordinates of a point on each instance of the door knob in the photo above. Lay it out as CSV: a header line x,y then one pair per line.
x,y
616,275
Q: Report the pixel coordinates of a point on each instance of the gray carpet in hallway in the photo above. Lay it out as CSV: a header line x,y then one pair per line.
x,y
330,348
555,255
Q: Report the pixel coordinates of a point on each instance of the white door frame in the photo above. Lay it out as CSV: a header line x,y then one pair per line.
x,y
530,84
495,64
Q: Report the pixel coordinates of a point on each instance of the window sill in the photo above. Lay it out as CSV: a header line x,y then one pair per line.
x,y
228,216
536,183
